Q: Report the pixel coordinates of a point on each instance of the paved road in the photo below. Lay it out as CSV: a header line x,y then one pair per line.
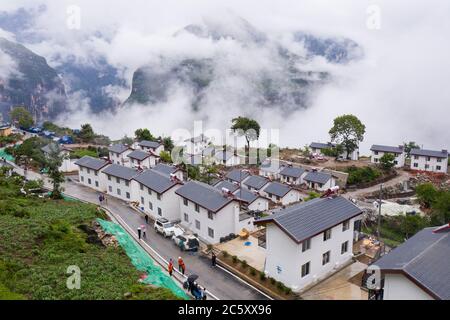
x,y
218,282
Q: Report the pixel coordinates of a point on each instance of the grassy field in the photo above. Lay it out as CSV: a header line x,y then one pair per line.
x,y
40,239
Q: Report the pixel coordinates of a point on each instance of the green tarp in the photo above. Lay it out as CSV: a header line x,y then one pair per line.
x,y
5,155
141,260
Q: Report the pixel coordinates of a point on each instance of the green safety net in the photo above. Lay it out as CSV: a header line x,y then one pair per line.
x,y
141,260
5,155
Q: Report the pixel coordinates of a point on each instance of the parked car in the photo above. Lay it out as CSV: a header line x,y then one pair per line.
x,y
165,227
186,242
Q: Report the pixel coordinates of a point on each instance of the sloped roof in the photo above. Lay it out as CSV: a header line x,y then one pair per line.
x,y
91,163
318,177
149,144
156,181
305,220
226,184
256,182
116,170
277,189
295,172
237,175
429,153
320,145
425,259
139,155
54,146
165,168
246,195
118,148
389,149
204,195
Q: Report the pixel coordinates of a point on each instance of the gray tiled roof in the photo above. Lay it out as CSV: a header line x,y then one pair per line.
x,y
156,181
246,195
295,172
389,149
320,145
226,184
91,163
165,168
270,165
118,148
237,175
206,196
54,146
256,182
149,144
277,189
138,155
305,220
429,153
116,170
426,258
318,177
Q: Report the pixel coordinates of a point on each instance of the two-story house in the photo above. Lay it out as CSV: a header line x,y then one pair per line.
x,y
250,200
169,170
142,159
67,165
117,180
196,144
89,172
118,153
309,241
429,160
379,151
154,147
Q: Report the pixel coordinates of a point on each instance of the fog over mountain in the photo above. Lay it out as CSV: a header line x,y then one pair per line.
x,y
292,65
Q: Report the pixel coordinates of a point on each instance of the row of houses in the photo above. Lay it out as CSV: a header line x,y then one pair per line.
x,y
421,159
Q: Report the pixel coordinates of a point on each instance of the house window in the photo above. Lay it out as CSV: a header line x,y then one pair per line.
x,y
428,158
278,198
186,217
96,184
197,208
81,169
376,152
150,205
118,180
118,192
149,191
110,189
185,202
89,180
210,233
439,160
127,194
345,225
142,200
88,171
327,235
127,183
82,178
159,212
158,196
109,177
305,269
438,167
96,173
306,245
416,157
395,162
326,258
416,165
344,247
197,224
427,166
210,215
376,159
141,186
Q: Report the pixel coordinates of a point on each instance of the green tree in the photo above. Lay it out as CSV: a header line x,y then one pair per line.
x,y
144,134
87,133
411,224
348,131
407,147
248,128
165,156
126,140
387,161
22,117
427,194
168,143
53,163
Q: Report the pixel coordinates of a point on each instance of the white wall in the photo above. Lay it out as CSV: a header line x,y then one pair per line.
x,y
121,158
398,287
290,197
147,163
429,164
91,178
112,185
284,253
376,155
260,204
331,183
292,180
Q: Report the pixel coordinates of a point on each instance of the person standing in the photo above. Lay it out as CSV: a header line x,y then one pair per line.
x,y
170,267
181,265
146,218
213,259
139,232
144,231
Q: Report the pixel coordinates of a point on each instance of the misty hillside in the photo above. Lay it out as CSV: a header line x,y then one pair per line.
x,y
34,84
284,81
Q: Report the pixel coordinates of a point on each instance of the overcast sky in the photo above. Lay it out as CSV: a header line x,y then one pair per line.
x,y
400,89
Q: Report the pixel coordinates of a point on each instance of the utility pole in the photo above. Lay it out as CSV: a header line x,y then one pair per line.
x,y
379,212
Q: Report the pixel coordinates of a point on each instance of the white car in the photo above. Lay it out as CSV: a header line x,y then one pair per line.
x,y
165,227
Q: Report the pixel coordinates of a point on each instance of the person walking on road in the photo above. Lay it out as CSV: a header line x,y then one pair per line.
x,y
213,259
181,265
170,267
100,199
139,232
146,218
144,231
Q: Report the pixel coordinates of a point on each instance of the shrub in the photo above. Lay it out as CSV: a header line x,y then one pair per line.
x,y
244,263
287,290
235,259
225,253
362,175
252,271
262,276
273,281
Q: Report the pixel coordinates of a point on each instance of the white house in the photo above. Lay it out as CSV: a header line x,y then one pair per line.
x,y
309,241
418,269
316,148
270,168
89,172
255,183
155,192
226,158
68,165
169,170
153,146
280,193
142,159
117,180
320,181
429,160
211,213
292,175
378,151
118,153
196,144
250,200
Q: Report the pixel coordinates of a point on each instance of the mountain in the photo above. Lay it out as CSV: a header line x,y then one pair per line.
x,y
283,79
33,84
